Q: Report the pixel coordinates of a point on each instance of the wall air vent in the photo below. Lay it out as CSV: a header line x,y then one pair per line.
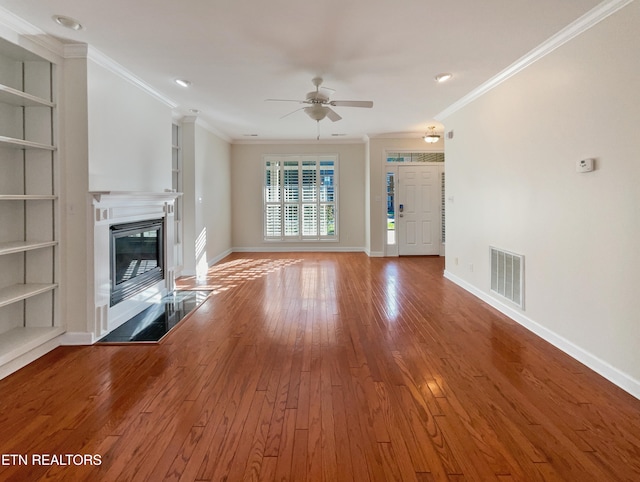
x,y
507,275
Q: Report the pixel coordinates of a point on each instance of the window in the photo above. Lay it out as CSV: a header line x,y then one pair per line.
x,y
415,157
391,214
300,198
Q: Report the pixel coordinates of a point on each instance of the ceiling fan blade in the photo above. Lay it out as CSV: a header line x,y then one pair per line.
x,y
333,115
292,112
352,103
285,100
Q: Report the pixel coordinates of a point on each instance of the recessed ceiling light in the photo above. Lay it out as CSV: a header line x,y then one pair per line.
x,y
67,22
183,83
443,77
250,135
338,135
194,111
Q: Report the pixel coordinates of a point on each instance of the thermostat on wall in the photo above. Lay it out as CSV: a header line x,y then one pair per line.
x,y
584,165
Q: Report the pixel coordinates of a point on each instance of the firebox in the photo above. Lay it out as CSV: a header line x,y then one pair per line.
x,y
137,254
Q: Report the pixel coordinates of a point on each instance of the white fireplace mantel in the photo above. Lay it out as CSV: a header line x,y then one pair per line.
x,y
119,207
134,195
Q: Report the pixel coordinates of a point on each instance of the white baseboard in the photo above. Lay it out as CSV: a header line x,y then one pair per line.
x,y
300,249
611,373
31,356
76,338
210,262
219,257
375,254
281,249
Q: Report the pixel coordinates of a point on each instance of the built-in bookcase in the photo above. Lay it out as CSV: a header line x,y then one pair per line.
x,y
176,169
28,203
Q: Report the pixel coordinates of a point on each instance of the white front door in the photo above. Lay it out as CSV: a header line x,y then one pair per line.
x,y
418,210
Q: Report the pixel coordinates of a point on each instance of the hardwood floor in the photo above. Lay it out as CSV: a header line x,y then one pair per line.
x,y
334,367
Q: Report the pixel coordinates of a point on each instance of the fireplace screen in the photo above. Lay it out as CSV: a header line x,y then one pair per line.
x,y
136,257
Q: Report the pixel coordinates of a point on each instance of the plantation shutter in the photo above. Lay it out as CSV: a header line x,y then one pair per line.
x,y
300,197
327,198
273,207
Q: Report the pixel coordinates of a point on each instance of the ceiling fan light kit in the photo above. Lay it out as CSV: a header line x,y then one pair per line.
x,y
318,112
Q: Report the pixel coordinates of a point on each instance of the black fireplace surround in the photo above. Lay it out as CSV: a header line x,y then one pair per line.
x,y
137,257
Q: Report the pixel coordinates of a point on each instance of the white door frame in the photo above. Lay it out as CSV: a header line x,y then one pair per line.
x,y
392,250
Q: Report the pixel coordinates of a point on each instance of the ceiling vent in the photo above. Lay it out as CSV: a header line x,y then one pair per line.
x,y
507,275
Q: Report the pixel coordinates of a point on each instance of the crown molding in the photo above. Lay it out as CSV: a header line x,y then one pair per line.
x,y
114,67
76,51
24,34
214,130
194,119
176,116
258,141
189,119
579,26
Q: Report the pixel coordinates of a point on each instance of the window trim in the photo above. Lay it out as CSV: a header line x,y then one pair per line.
x,y
300,238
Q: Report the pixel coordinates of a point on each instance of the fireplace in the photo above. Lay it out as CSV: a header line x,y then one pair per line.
x,y
133,256
136,257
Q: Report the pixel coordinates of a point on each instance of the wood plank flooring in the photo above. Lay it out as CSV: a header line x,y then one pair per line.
x,y
322,367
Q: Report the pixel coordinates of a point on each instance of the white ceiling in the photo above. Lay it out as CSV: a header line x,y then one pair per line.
x,y
237,53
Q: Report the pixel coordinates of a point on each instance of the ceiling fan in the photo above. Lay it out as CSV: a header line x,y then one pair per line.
x,y
320,104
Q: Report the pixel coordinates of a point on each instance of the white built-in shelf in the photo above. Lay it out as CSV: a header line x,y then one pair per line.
x,y
28,127
9,95
19,341
27,197
22,246
19,292
22,144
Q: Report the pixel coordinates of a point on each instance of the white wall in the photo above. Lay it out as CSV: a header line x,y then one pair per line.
x,y
207,197
247,178
511,171
129,135
77,272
